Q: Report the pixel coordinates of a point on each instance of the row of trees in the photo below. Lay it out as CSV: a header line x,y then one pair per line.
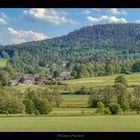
x,y
115,99
38,101
106,67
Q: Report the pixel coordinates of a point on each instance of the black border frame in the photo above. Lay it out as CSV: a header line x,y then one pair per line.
x,y
70,4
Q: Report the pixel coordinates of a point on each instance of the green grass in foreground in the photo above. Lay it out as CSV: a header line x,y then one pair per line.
x,y
118,123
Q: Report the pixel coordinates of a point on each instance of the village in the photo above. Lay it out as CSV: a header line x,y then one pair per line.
x,y
31,79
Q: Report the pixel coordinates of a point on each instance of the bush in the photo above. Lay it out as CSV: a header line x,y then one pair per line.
x,y
94,97
36,112
93,102
35,103
4,78
100,107
106,111
82,91
135,105
9,103
121,94
120,79
114,108
29,106
136,66
15,105
43,106
57,97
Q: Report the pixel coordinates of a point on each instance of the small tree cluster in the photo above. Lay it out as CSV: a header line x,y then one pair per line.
x,y
9,103
34,104
82,91
113,98
135,102
54,96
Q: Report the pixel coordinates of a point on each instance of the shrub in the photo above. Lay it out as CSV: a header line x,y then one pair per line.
x,y
36,112
106,111
9,103
135,105
43,106
120,79
100,107
29,106
121,94
93,102
136,66
114,108
82,91
36,103
57,97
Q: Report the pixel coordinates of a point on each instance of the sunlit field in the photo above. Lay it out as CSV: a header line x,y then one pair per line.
x,y
117,123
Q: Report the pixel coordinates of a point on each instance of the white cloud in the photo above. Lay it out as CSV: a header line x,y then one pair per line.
x,y
3,18
12,36
105,19
137,21
3,21
47,15
95,9
115,11
86,12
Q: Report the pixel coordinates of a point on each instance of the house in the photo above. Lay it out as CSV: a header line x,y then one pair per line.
x,y
40,83
14,82
48,77
28,82
28,78
36,75
64,75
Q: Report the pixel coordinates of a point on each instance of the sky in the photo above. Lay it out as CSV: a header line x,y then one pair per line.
x,y
18,25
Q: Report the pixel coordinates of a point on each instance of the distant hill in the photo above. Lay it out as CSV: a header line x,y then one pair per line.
x,y
117,36
92,43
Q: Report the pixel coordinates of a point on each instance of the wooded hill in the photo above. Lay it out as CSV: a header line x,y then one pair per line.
x,y
97,46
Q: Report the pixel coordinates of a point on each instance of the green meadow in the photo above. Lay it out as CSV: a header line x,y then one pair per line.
x,y
74,113
117,123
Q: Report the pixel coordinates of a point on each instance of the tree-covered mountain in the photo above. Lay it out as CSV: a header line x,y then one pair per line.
x,y
93,50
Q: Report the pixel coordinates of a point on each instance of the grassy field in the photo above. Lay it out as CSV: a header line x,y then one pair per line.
x,y
74,113
132,80
72,85
75,101
117,123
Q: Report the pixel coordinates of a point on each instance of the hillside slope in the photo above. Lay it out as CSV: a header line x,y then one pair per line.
x,y
93,43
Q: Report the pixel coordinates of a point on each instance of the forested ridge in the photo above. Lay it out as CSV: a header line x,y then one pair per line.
x,y
90,51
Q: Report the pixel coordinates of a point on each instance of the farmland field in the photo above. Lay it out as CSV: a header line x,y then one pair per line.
x,y
74,113
72,85
71,124
132,79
